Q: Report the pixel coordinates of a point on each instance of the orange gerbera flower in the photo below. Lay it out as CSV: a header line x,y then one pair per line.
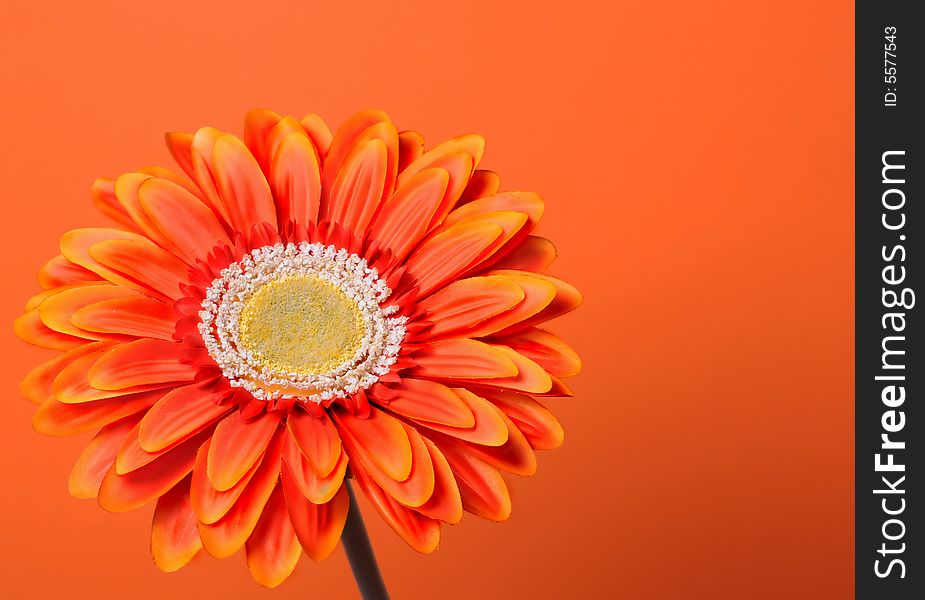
x,y
292,309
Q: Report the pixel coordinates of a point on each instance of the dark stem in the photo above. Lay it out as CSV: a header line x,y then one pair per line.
x,y
360,553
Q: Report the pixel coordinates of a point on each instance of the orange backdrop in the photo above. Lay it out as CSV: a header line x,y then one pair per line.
x,y
697,162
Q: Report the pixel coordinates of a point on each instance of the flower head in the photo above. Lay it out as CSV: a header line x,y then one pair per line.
x,y
293,309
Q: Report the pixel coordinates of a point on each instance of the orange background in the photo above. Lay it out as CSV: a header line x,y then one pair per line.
x,y
697,162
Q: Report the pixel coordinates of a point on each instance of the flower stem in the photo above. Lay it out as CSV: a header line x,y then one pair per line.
x,y
360,553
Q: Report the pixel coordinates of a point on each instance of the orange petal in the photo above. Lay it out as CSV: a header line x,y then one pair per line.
x,y
59,271
226,536
319,489
37,386
537,295
348,135
98,457
514,456
359,186
257,126
243,190
414,490
445,504
462,359
534,420
431,402
468,302
318,526
132,456
530,378
135,315
138,363
319,133
528,203
174,532
567,298
104,199
180,146
406,216
181,413
142,261
533,254
120,493
295,178
29,328
182,219
483,183
57,310
418,531
126,190
546,350
459,157
73,386
59,419
481,486
410,148
236,446
451,251
489,428
209,504
317,438
383,439
78,246
273,549
172,176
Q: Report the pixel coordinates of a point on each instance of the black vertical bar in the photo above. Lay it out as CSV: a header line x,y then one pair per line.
x,y
888,271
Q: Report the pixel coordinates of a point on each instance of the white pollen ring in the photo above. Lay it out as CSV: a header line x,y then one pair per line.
x,y
225,298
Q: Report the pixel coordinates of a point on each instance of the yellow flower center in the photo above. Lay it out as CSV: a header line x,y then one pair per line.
x,y
301,324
